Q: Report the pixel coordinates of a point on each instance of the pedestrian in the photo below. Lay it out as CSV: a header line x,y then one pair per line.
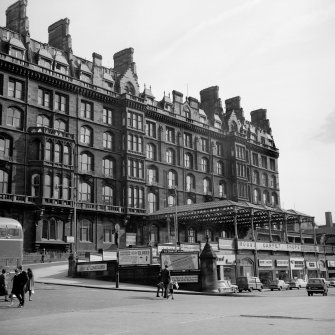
x,y
160,285
172,285
166,280
30,283
21,285
3,284
15,287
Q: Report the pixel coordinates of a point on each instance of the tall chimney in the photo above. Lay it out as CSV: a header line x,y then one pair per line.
x,y
59,36
329,219
16,18
123,60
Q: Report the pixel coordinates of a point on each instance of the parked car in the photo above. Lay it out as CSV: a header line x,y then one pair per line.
x,y
278,285
297,283
332,282
317,285
249,284
327,281
223,287
232,286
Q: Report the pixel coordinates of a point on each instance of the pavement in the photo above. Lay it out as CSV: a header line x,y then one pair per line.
x,y
57,274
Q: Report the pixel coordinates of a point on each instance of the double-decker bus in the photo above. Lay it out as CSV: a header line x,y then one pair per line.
x,y
11,243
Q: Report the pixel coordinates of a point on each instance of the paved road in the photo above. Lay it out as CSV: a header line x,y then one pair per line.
x,y
62,309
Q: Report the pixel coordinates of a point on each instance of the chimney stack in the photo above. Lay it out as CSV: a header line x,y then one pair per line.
x,y
329,219
16,18
59,36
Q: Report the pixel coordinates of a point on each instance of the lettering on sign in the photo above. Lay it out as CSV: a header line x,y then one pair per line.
x,y
331,264
265,262
246,245
185,279
91,267
134,256
297,263
311,265
282,262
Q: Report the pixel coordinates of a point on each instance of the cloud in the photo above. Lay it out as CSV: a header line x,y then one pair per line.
x,y
326,133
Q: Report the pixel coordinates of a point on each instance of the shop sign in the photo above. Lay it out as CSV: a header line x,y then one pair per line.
x,y
282,262
70,239
225,259
166,247
189,247
135,256
186,279
309,248
91,267
331,264
250,245
297,263
226,243
265,262
311,265
180,260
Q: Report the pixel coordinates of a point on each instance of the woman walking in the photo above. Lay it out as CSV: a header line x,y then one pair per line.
x,y
30,283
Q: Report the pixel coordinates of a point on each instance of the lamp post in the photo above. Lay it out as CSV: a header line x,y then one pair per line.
x,y
176,219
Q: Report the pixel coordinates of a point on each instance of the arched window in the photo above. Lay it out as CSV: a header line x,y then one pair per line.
x,y
207,186
60,125
5,147
14,118
108,167
274,199
107,194
187,112
190,182
57,153
35,185
57,187
85,192
189,201
273,181
48,151
154,234
219,168
209,233
86,162
152,202
265,180
66,189
169,156
152,175
151,151
204,164
255,177
3,181
188,161
233,126
43,121
86,135
257,196
266,198
86,231
172,179
52,229
108,140
47,186
129,88
171,200
66,155
222,189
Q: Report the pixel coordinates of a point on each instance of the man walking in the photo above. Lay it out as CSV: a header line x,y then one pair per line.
x,y
166,280
22,281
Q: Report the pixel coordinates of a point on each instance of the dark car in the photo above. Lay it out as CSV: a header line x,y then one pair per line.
x,y
249,284
316,285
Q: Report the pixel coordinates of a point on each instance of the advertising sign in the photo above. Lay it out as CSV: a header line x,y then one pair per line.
x,y
166,247
297,263
265,262
186,278
226,243
91,267
223,259
180,260
189,247
331,264
282,262
251,245
311,265
132,256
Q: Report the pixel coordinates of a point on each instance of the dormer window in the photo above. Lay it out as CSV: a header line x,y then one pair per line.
x,y
108,81
129,88
17,53
16,48
85,73
61,68
85,77
202,119
61,64
44,63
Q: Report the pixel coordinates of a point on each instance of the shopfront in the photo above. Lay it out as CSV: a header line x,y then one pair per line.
x,y
226,266
297,267
322,268
312,268
282,270
331,268
265,271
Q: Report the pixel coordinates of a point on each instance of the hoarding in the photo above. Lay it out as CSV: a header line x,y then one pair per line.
x,y
180,260
132,256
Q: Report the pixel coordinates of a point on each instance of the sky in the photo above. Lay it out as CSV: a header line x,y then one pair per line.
x,y
277,55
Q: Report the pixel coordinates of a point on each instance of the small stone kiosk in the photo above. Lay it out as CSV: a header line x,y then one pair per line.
x,y
209,275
